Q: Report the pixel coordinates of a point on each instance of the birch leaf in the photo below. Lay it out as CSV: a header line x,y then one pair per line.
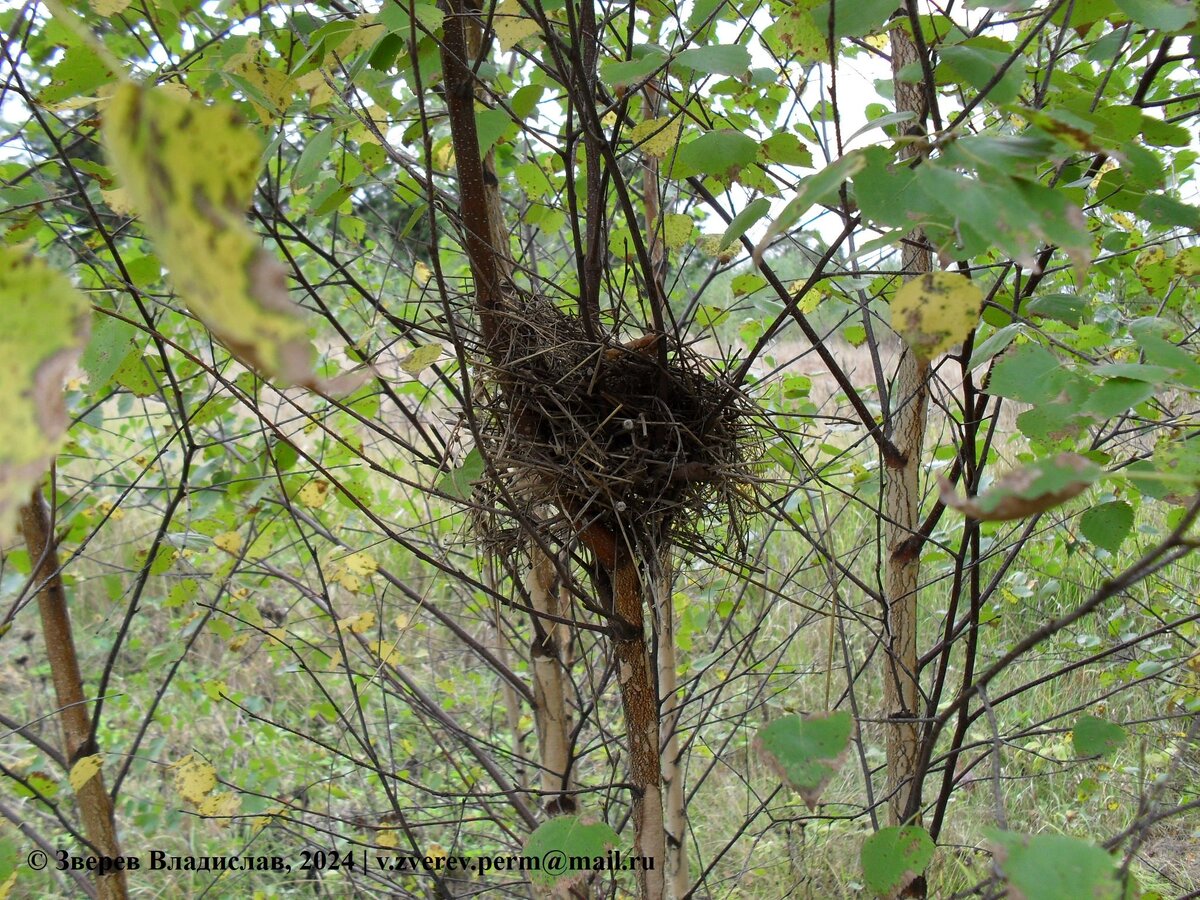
x,y
221,805
421,359
677,230
43,325
936,311
229,541
657,137
1028,490
194,779
806,752
190,171
362,563
84,770
512,25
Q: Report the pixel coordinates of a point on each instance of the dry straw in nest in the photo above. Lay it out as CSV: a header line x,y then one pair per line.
x,y
604,433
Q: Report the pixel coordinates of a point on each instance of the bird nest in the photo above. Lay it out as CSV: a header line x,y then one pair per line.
x,y
606,433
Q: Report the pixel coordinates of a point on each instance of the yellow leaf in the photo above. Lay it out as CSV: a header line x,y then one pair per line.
x,y
421,358
118,201
314,494
443,155
190,171
422,273
194,779
710,245
511,24
361,564
677,230
386,651
221,804
368,30
657,137
43,327
316,84
267,82
346,579
229,541
936,311
85,770
359,624
74,103
1187,262
258,823
387,839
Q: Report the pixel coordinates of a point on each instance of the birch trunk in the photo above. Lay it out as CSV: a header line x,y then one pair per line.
x,y
95,806
902,507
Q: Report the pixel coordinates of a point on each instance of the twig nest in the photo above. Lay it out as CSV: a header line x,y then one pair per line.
x,y
609,433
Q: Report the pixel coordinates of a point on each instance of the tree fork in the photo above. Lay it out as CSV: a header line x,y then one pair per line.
x,y
615,561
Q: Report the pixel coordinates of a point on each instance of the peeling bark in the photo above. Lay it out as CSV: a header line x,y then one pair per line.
x,y
552,718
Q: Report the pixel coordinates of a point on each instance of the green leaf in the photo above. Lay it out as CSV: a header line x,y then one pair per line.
x,y
1161,352
190,170
139,374
744,221
884,122
43,326
1028,490
396,19
936,311
853,18
1054,866
9,849
806,752
976,62
994,344
112,340
1030,373
1136,372
564,837
1167,212
1066,308
460,482
1108,524
80,71
316,151
818,188
525,101
719,59
491,125
1165,15
721,153
786,149
893,857
625,73
1096,737
1117,395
